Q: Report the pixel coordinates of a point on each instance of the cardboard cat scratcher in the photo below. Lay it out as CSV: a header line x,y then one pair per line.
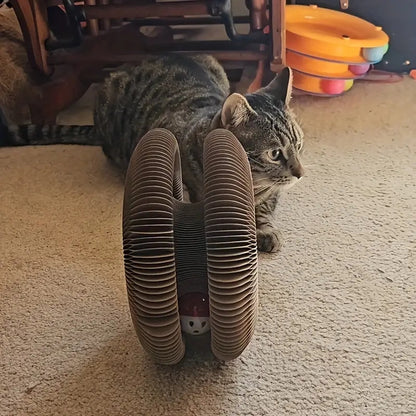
x,y
190,267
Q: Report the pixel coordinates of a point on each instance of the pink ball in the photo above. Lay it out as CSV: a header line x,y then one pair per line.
x,y
359,69
333,86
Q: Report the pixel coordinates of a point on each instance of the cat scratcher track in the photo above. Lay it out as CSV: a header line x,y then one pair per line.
x,y
172,248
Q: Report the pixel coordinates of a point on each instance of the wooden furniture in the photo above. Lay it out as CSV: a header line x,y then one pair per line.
x,y
105,33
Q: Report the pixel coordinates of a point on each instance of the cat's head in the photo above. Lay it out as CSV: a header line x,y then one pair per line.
x,y
269,133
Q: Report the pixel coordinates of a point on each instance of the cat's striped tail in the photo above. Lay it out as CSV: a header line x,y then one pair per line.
x,y
32,134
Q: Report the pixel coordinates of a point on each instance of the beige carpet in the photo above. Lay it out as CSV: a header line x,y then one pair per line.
x,y
337,325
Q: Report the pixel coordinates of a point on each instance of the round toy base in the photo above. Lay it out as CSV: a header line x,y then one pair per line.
x,y
299,91
333,35
328,58
345,76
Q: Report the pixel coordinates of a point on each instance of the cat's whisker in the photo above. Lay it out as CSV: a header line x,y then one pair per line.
x,y
259,191
265,194
262,179
265,188
258,185
262,165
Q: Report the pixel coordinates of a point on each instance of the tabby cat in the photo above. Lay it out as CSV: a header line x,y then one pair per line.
x,y
190,96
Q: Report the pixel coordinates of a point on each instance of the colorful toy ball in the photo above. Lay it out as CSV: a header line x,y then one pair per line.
x,y
374,54
348,84
333,86
194,313
359,69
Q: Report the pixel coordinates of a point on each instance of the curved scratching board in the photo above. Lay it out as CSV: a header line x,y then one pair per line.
x,y
172,248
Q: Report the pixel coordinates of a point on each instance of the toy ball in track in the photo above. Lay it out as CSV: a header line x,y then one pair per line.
x,y
328,49
194,264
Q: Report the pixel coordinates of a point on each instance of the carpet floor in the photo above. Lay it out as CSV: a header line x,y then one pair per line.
x,y
336,333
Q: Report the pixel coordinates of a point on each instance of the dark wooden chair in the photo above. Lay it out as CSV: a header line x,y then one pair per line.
x,y
91,36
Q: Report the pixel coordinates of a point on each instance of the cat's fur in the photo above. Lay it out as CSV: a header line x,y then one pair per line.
x,y
16,76
190,97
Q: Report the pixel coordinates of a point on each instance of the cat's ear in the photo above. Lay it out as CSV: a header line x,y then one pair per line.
x,y
235,110
281,86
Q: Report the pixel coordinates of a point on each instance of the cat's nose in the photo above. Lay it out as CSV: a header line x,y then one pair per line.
x,y
298,171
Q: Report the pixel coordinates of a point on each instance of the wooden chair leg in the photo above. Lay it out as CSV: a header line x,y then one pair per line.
x,y
64,88
258,18
32,16
104,24
258,80
258,21
278,34
92,23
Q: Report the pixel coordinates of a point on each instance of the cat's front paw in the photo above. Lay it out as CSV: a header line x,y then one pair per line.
x,y
269,240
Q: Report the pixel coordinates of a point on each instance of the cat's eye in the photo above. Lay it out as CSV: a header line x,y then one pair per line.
x,y
274,154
